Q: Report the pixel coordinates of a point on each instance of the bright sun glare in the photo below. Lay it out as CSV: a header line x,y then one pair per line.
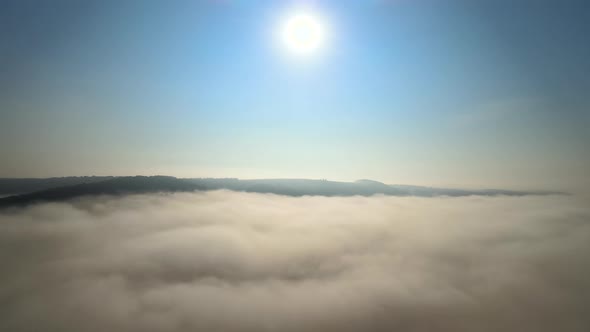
x,y
303,34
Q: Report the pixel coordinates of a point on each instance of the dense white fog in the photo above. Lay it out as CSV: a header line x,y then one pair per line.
x,y
227,261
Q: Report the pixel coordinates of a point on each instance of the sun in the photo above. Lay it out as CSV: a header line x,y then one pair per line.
x,y
303,33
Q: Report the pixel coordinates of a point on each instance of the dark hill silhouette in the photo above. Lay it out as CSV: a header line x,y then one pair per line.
x,y
113,186
21,186
299,187
288,187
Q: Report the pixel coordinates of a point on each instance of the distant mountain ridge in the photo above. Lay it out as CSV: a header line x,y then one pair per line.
x,y
26,185
74,187
110,186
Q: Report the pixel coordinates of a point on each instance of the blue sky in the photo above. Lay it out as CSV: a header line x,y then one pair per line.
x,y
461,93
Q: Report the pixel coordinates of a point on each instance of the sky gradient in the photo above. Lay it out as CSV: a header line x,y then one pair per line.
x,y
454,93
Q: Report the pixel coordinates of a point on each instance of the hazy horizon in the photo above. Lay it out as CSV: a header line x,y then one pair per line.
x,y
451,186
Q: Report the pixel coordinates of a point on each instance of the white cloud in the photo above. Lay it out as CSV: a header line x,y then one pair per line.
x,y
227,261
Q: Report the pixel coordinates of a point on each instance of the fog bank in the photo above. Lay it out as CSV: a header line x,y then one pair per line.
x,y
229,261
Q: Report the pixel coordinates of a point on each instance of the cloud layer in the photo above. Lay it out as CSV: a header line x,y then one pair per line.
x,y
227,261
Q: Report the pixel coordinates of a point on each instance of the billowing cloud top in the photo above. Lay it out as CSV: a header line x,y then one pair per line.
x,y
229,261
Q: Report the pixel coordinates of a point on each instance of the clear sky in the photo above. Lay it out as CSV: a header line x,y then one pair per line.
x,y
434,92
